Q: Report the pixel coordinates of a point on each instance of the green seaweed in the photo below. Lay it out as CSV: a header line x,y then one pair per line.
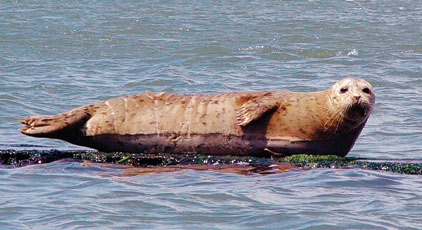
x,y
330,161
397,167
123,159
320,161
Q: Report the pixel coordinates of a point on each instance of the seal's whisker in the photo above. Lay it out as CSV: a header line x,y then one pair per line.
x,y
339,120
334,119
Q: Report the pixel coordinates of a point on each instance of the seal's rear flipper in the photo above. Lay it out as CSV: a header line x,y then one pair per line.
x,y
53,125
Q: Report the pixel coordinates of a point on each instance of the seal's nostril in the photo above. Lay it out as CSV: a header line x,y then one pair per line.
x,y
357,98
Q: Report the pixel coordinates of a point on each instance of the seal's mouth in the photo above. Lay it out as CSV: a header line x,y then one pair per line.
x,y
356,112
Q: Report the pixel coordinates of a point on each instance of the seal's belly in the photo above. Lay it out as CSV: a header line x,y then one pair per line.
x,y
217,144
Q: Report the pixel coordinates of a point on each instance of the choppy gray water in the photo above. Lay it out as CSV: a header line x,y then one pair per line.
x,y
55,55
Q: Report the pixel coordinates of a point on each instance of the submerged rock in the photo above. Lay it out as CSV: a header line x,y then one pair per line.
x,y
260,165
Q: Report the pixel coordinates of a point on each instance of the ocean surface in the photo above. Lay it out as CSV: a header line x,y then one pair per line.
x,y
56,55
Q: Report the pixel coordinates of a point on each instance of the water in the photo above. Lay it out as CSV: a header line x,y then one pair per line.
x,y
55,55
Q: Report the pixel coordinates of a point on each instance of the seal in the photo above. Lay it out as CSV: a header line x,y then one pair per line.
x,y
238,123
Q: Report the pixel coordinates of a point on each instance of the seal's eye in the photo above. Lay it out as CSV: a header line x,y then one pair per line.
x,y
343,90
366,90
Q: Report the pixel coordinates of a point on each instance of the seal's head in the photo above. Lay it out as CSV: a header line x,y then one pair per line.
x,y
353,99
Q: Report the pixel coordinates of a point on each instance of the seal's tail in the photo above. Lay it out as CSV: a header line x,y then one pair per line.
x,y
52,125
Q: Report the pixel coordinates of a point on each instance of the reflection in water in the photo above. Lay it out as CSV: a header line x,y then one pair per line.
x,y
238,168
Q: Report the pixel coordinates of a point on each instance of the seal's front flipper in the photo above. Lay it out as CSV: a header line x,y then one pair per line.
x,y
52,125
253,108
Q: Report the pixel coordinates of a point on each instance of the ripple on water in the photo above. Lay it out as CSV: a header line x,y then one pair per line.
x,y
95,196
